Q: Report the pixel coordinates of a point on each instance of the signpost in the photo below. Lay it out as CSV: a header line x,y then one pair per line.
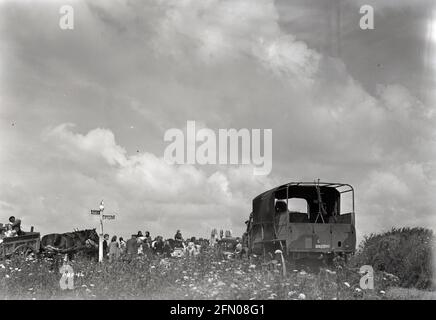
x,y
101,235
108,217
100,242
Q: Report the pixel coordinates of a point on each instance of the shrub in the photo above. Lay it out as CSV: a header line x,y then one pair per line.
x,y
404,252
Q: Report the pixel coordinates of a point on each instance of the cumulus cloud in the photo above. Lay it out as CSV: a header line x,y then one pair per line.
x,y
182,192
221,31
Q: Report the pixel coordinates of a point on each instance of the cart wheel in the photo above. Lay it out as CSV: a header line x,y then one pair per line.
x,y
23,251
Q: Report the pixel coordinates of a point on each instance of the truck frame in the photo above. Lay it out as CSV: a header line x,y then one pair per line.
x,y
319,231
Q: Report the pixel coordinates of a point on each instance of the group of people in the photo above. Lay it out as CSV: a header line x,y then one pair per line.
x,y
11,229
144,244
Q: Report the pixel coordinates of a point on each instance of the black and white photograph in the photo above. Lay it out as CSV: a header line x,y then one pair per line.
x,y
238,151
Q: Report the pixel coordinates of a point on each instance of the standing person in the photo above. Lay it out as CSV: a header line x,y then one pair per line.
x,y
132,246
158,245
148,241
141,242
122,245
147,236
167,249
114,249
190,248
105,246
179,239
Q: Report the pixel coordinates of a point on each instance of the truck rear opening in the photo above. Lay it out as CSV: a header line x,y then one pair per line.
x,y
303,219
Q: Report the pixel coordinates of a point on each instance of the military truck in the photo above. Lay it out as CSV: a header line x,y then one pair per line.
x,y
303,220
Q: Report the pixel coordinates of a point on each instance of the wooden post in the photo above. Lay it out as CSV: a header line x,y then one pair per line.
x,y
100,242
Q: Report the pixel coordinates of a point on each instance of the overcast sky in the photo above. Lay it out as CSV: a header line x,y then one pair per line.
x,y
83,112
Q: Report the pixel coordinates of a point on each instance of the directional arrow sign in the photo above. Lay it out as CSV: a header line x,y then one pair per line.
x,y
95,212
108,216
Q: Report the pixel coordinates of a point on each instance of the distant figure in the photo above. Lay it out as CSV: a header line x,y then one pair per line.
x,y
213,237
140,239
140,236
114,249
179,239
16,225
2,232
191,249
105,246
158,245
122,245
9,232
167,249
147,236
238,249
132,245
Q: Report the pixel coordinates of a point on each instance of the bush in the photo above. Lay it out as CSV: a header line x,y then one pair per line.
x,y
405,252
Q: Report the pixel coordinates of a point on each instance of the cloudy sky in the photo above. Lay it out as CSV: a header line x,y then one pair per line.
x,y
83,112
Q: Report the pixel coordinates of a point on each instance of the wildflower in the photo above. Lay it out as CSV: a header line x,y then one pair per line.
x,y
382,292
2,266
303,272
302,296
347,284
358,289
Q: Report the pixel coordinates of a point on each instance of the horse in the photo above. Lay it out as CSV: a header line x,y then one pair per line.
x,y
70,241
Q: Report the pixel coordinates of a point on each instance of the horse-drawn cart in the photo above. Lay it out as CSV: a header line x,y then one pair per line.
x,y
22,246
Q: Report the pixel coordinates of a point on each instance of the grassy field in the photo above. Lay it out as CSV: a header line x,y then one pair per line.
x,y
201,277
401,259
